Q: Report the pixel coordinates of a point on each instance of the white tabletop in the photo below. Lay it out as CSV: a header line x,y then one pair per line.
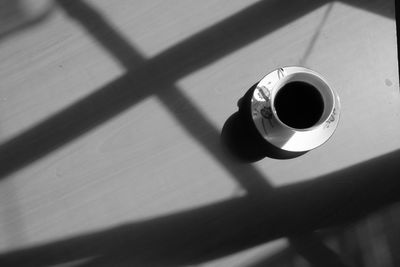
x,y
111,111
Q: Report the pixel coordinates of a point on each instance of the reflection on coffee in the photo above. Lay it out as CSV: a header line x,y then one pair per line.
x,y
299,105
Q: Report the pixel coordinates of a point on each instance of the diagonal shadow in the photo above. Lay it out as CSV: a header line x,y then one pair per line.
x,y
193,122
316,35
143,79
246,207
115,97
229,226
380,7
128,58
186,113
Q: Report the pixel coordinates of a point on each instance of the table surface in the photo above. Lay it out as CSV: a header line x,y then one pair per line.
x,y
111,113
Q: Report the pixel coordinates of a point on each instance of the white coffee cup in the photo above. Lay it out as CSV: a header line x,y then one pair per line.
x,y
295,109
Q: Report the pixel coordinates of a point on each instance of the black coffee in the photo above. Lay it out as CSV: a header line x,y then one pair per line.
x,y
299,105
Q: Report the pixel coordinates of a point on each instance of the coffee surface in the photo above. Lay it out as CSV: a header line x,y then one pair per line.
x,y
299,105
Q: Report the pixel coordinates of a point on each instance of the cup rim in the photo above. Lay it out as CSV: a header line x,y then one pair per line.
x,y
315,79
279,134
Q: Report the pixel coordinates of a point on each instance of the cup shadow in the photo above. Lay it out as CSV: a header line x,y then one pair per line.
x,y
240,137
